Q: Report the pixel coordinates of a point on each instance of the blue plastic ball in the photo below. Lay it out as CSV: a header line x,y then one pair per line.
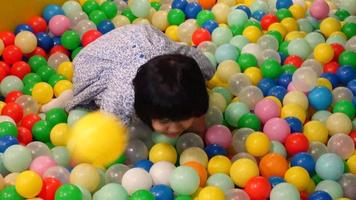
x,y
332,78
23,27
192,10
304,160
214,149
105,26
6,141
162,192
275,180
283,4
320,195
329,166
295,124
44,41
346,74
285,79
277,91
210,25
56,40
266,84
144,164
352,86
51,11
179,4
320,98
226,52
245,9
258,14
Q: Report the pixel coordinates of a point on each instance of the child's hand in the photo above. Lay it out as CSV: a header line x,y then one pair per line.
x,y
199,126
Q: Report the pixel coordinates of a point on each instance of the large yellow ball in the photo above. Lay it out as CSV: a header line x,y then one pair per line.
x,y
297,176
163,152
330,25
257,144
98,138
242,170
323,53
316,131
42,92
28,184
252,33
211,193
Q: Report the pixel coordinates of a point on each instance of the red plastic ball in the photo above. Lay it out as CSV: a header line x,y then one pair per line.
x,y
303,195
13,110
294,60
12,96
38,51
7,37
59,48
20,69
353,136
296,143
331,67
338,49
267,20
29,120
49,188
90,36
38,24
258,188
12,54
5,66
3,73
24,135
200,35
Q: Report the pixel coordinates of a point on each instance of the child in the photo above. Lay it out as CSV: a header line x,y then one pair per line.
x,y
137,70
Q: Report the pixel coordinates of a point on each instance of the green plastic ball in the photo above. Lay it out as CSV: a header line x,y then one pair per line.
x,y
316,179
236,30
276,35
89,6
204,16
71,39
56,116
27,89
156,5
96,16
342,14
31,78
349,29
253,23
9,193
234,112
109,8
45,72
8,128
251,121
36,62
68,192
271,69
55,78
345,107
221,35
289,68
176,17
41,131
283,47
128,13
247,60
142,194
348,58
283,13
75,52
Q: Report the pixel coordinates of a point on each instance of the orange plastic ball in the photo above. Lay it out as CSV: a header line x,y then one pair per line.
x,y
200,169
273,164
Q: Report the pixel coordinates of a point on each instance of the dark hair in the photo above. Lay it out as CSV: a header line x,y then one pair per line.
x,y
170,87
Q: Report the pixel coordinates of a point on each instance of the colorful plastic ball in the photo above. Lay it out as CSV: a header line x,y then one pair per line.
x,y
320,98
276,129
23,27
220,135
319,10
51,11
329,25
265,84
179,4
257,144
267,20
222,181
200,169
246,9
176,17
267,109
70,40
105,26
210,193
352,86
284,79
68,191
346,73
163,152
7,141
324,53
204,16
38,24
338,123
275,180
252,33
41,131
349,29
332,78
329,166
258,14
271,69
44,41
242,170
49,187
9,84
214,150
135,179
200,35
184,180
59,24
277,91
90,36
109,8
237,17
345,107
11,159
273,164
331,67
42,92
258,188
316,131
8,128
144,164
210,25
296,143
283,4
284,191
304,160
13,110
161,171
297,176
12,54
320,195
162,192
219,164
192,9
28,184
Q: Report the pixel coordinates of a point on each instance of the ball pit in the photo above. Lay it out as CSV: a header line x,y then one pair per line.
x,y
281,119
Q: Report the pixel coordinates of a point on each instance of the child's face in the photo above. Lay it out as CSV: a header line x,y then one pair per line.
x,y
171,128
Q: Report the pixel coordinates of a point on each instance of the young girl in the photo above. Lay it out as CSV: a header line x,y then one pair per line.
x,y
136,70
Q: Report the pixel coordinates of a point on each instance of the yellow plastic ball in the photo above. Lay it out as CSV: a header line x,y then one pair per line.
x,y
293,110
59,134
28,184
66,69
351,164
2,104
338,123
255,74
86,176
316,131
290,24
163,152
278,27
294,35
298,176
257,144
120,20
323,53
330,25
296,97
297,11
276,100
172,33
219,164
325,83
195,154
211,193
220,11
42,92
62,86
98,138
159,20
252,33
226,69
242,170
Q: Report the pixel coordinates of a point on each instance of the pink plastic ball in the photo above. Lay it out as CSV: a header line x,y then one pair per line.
x,y
219,134
59,24
41,164
319,9
277,129
267,109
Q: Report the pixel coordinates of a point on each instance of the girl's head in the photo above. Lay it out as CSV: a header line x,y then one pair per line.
x,y
170,93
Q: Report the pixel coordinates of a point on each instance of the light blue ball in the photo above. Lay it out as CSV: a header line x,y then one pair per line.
x,y
314,39
299,47
329,166
284,191
221,181
331,187
237,17
320,98
239,41
226,52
